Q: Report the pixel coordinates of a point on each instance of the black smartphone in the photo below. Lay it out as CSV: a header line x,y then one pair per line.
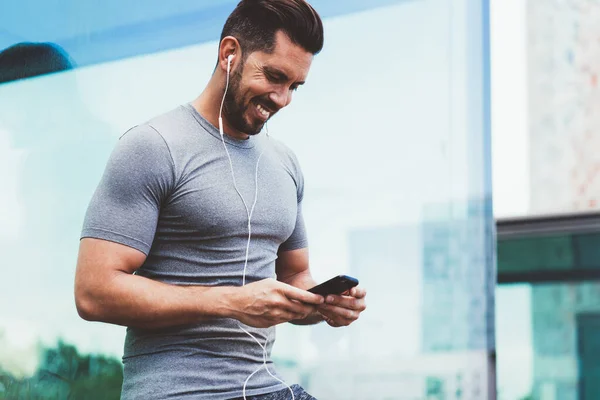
x,y
336,285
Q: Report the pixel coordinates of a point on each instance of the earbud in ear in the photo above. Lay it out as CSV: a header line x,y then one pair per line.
x,y
229,58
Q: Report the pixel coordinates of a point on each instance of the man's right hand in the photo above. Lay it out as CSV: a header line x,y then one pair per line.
x,y
269,302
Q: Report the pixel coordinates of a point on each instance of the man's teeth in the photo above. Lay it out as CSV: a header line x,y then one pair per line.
x,y
262,110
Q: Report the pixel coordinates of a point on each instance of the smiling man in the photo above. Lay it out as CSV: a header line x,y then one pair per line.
x,y
194,238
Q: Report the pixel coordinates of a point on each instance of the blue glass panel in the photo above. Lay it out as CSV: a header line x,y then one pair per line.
x,y
93,32
391,130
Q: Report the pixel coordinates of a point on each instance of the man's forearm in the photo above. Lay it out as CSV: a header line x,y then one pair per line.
x,y
302,281
135,301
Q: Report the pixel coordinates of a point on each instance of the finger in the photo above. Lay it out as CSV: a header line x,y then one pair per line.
x,y
326,317
335,312
300,308
347,302
340,323
293,293
336,322
358,292
286,316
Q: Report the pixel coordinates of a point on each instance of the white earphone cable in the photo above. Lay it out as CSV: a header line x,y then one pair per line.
x,y
249,212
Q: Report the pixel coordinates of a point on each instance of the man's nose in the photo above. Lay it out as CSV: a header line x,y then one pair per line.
x,y
281,98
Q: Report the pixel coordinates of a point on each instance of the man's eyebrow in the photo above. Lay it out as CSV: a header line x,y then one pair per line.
x,y
279,74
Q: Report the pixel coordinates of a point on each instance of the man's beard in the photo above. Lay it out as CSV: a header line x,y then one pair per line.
x,y
234,108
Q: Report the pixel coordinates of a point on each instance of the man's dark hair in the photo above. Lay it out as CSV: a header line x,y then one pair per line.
x,y
254,24
26,60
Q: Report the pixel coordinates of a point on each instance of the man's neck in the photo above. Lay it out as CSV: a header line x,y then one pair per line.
x,y
208,105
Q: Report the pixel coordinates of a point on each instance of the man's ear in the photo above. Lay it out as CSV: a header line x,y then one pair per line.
x,y
230,53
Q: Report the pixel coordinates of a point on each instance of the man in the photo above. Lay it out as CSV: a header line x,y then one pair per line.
x,y
188,228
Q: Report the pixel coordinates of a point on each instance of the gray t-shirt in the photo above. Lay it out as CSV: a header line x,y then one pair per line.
x,y
168,191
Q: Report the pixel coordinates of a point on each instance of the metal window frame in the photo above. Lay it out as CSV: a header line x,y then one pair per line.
x,y
548,225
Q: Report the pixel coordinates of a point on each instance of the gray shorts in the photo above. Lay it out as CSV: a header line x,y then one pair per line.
x,y
299,394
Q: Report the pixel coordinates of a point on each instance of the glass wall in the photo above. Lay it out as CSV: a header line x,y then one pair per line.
x,y
545,88
392,132
548,341
548,307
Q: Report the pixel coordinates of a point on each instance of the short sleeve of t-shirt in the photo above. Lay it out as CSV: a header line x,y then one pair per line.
x,y
138,178
298,239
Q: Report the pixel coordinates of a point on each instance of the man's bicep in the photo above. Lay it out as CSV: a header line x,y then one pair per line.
x,y
99,263
97,256
291,263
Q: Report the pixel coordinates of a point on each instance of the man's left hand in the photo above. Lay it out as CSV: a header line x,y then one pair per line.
x,y
345,309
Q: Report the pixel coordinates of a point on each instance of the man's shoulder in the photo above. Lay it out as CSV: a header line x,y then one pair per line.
x,y
178,129
161,123
288,159
284,151
176,121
